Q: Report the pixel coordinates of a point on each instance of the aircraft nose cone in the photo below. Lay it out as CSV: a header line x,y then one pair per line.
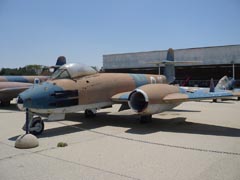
x,y
39,96
47,96
20,103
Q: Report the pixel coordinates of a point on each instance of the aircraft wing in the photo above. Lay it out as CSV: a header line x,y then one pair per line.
x,y
9,93
184,94
236,92
199,94
121,97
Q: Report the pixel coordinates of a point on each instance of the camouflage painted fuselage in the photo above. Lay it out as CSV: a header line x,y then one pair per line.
x,y
23,79
89,92
11,86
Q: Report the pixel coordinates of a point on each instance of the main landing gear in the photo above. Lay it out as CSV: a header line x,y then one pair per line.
x,y
90,113
35,124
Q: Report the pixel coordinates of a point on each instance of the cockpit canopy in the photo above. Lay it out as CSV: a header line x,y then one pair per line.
x,y
73,70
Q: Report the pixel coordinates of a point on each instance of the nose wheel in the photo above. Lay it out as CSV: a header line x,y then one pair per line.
x,y
35,125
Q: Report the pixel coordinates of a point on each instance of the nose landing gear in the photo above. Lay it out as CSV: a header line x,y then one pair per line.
x,y
35,124
28,140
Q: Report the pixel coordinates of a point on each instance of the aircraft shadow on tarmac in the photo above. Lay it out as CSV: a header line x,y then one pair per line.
x,y
11,107
174,125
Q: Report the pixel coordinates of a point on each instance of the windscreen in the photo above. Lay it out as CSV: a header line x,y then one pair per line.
x,y
72,71
60,74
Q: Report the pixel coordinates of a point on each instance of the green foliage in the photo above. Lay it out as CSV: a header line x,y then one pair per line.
x,y
62,144
27,70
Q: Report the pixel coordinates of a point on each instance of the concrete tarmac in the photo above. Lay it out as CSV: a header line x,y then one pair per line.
x,y
196,140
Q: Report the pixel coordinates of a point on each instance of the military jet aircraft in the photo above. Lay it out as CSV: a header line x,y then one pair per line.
x,y
75,87
11,86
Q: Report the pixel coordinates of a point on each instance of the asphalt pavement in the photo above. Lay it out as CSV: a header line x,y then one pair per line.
x,y
196,140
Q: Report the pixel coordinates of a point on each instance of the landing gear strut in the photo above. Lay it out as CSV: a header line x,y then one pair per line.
x,y
90,113
145,119
35,124
27,140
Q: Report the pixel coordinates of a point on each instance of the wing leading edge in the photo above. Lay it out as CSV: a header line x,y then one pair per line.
x,y
121,97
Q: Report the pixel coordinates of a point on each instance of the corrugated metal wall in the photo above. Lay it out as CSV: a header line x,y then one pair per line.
x,y
208,55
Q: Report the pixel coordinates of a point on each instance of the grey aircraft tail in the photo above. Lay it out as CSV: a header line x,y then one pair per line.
x,y
169,63
169,70
61,60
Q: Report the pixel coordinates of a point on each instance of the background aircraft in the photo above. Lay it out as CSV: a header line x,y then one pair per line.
x,y
227,83
75,87
11,86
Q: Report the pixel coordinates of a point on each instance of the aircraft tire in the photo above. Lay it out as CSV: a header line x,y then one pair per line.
x,y
37,122
89,113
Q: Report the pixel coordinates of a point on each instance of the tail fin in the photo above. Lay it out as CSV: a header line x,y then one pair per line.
x,y
212,88
61,60
169,70
169,63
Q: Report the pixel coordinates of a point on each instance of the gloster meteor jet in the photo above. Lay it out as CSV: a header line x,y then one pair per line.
x,y
75,87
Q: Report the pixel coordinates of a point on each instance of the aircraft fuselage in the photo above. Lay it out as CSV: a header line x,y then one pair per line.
x,y
89,92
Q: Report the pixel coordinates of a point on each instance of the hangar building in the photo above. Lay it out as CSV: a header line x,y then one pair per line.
x,y
213,62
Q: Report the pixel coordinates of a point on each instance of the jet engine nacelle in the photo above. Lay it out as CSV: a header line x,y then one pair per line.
x,y
148,99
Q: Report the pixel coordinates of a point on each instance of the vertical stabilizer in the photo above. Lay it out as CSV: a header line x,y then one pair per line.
x,y
212,88
61,60
170,54
169,70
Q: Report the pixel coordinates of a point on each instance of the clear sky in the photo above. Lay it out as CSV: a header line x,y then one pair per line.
x,y
38,31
